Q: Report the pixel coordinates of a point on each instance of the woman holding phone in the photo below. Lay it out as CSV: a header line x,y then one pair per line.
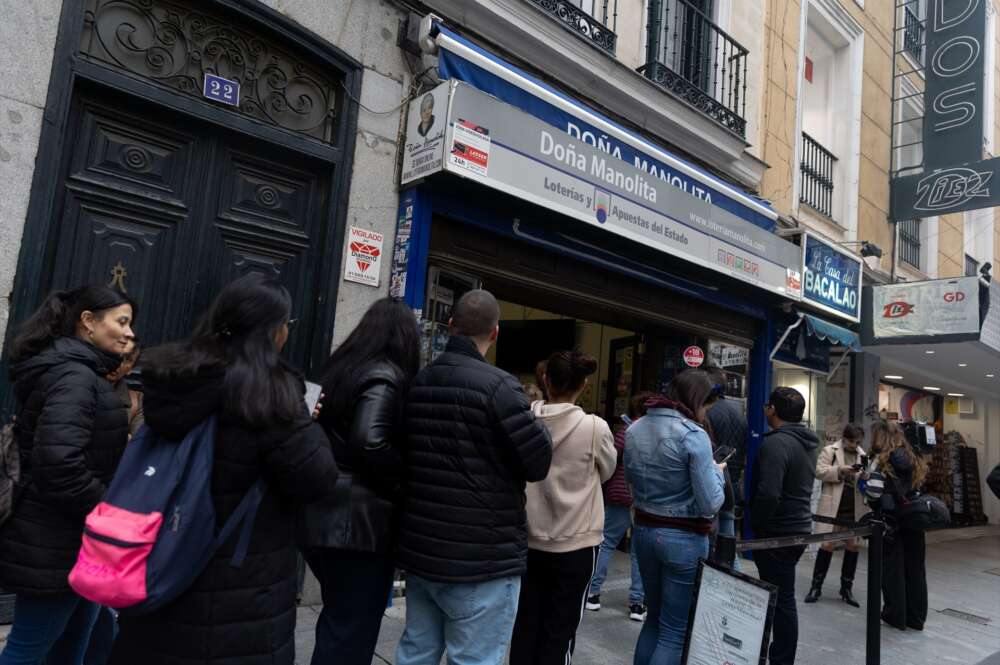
x,y
347,538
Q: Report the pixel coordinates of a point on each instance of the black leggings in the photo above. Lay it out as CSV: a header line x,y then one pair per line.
x,y
904,580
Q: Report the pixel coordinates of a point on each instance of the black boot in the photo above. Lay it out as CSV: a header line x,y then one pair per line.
x,y
725,551
819,574
847,578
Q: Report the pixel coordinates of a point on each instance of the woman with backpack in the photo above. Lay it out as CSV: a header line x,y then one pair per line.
x,y
904,574
232,368
348,538
71,430
565,516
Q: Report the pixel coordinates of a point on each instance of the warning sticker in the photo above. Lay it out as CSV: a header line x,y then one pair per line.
x,y
470,147
364,256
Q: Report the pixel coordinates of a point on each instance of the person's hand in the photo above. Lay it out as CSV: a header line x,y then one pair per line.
x,y
722,467
847,470
319,407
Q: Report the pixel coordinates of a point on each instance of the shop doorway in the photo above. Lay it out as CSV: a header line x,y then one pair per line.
x,y
623,376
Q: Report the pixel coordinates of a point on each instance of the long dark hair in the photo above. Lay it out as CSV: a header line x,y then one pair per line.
x,y
692,389
59,314
387,331
237,334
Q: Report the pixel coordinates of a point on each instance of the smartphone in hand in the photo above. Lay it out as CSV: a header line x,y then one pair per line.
x,y
313,392
723,453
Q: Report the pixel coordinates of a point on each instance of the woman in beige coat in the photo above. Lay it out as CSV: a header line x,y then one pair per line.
x,y
838,467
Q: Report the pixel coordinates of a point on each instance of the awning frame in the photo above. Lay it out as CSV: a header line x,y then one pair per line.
x,y
788,331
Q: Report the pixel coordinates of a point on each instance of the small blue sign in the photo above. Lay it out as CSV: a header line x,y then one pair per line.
x,y
831,279
222,90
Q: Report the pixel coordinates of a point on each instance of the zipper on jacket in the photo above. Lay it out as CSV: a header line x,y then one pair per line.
x,y
175,521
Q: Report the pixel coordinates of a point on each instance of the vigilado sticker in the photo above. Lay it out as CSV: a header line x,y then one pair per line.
x,y
364,257
694,356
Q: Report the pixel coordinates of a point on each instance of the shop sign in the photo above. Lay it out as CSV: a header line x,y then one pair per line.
x,y
923,309
511,151
831,278
425,130
694,356
364,256
727,355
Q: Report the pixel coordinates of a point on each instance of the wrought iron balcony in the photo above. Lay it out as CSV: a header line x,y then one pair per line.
x,y
909,242
697,61
596,25
817,175
913,34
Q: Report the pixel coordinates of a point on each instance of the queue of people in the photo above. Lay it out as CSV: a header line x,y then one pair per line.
x,y
503,511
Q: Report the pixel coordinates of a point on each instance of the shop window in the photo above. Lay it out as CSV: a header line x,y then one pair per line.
x,y
827,397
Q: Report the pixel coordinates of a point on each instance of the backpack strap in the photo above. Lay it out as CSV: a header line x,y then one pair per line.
x,y
245,513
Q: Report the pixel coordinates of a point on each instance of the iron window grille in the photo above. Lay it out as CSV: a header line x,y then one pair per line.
x,y
594,20
697,61
971,266
913,34
817,172
909,242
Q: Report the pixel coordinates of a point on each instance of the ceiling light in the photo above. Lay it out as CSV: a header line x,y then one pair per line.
x,y
929,352
990,376
956,394
963,364
892,377
931,388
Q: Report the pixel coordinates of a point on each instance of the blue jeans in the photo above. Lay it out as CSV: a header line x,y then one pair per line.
x,y
53,629
102,638
727,527
472,621
616,522
668,561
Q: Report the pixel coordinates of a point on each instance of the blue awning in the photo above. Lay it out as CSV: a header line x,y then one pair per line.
x,y
462,60
832,333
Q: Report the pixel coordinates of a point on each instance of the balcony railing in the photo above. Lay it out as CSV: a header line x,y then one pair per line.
x,y
594,20
697,61
913,34
817,175
909,242
971,266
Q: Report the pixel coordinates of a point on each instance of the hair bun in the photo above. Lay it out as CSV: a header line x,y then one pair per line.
x,y
582,365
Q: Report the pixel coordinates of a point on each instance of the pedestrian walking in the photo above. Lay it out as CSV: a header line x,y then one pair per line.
x,y
728,429
565,516
678,489
71,430
472,443
617,520
838,467
783,474
349,536
231,367
904,574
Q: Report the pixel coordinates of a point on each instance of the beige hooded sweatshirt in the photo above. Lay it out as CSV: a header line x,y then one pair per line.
x,y
566,510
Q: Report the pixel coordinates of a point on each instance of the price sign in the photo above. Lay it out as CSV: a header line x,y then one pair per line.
x,y
221,90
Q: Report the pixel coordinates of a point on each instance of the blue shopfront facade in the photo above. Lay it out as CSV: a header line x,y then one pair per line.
x,y
733,227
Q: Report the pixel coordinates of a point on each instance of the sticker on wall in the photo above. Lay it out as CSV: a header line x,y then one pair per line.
x,y
694,356
470,148
364,256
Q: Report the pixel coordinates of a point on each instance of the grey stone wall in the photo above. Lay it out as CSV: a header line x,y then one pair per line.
x,y
28,37
365,29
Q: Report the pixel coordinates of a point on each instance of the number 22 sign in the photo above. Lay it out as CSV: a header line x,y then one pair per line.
x,y
222,90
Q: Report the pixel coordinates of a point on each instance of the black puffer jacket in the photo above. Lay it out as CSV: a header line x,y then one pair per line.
x,y
360,515
472,443
71,431
783,475
233,616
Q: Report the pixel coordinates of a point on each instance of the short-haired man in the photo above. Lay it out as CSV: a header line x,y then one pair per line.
x,y
471,445
783,475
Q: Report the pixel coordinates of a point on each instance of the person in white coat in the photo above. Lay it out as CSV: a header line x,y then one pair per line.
x,y
565,516
837,468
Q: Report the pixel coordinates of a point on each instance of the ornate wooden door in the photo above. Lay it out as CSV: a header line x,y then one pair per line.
x,y
169,209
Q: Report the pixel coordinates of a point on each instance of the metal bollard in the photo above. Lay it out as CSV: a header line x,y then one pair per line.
x,y
873,633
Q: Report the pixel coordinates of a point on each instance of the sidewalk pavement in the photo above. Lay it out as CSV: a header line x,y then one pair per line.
x,y
963,626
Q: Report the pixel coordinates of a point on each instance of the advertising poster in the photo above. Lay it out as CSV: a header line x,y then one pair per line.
x,y
470,148
935,307
364,257
423,152
731,619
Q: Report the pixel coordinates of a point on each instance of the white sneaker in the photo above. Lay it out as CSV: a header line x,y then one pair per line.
x,y
637,612
594,603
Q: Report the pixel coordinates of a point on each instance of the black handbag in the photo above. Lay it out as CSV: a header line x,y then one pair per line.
x,y
920,512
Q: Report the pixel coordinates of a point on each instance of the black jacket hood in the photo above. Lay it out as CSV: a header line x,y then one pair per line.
x,y
174,404
63,350
805,436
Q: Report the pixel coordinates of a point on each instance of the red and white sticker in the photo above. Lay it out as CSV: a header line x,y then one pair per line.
x,y
470,147
694,356
364,256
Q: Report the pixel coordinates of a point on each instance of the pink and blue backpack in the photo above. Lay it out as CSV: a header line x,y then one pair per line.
x,y
154,533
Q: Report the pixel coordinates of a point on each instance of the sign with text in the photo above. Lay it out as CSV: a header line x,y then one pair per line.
x,y
364,256
962,187
953,97
921,309
831,278
730,619
425,130
221,90
512,151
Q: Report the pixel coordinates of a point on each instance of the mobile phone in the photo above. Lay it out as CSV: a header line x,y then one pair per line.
x,y
725,452
857,467
313,392
626,419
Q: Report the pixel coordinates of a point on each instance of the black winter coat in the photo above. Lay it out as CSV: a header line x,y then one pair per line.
x,y
360,514
246,615
783,476
472,444
71,430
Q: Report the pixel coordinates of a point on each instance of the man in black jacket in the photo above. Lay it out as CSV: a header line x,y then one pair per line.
x,y
472,444
784,472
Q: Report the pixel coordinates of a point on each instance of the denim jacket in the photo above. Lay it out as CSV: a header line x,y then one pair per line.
x,y
669,464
